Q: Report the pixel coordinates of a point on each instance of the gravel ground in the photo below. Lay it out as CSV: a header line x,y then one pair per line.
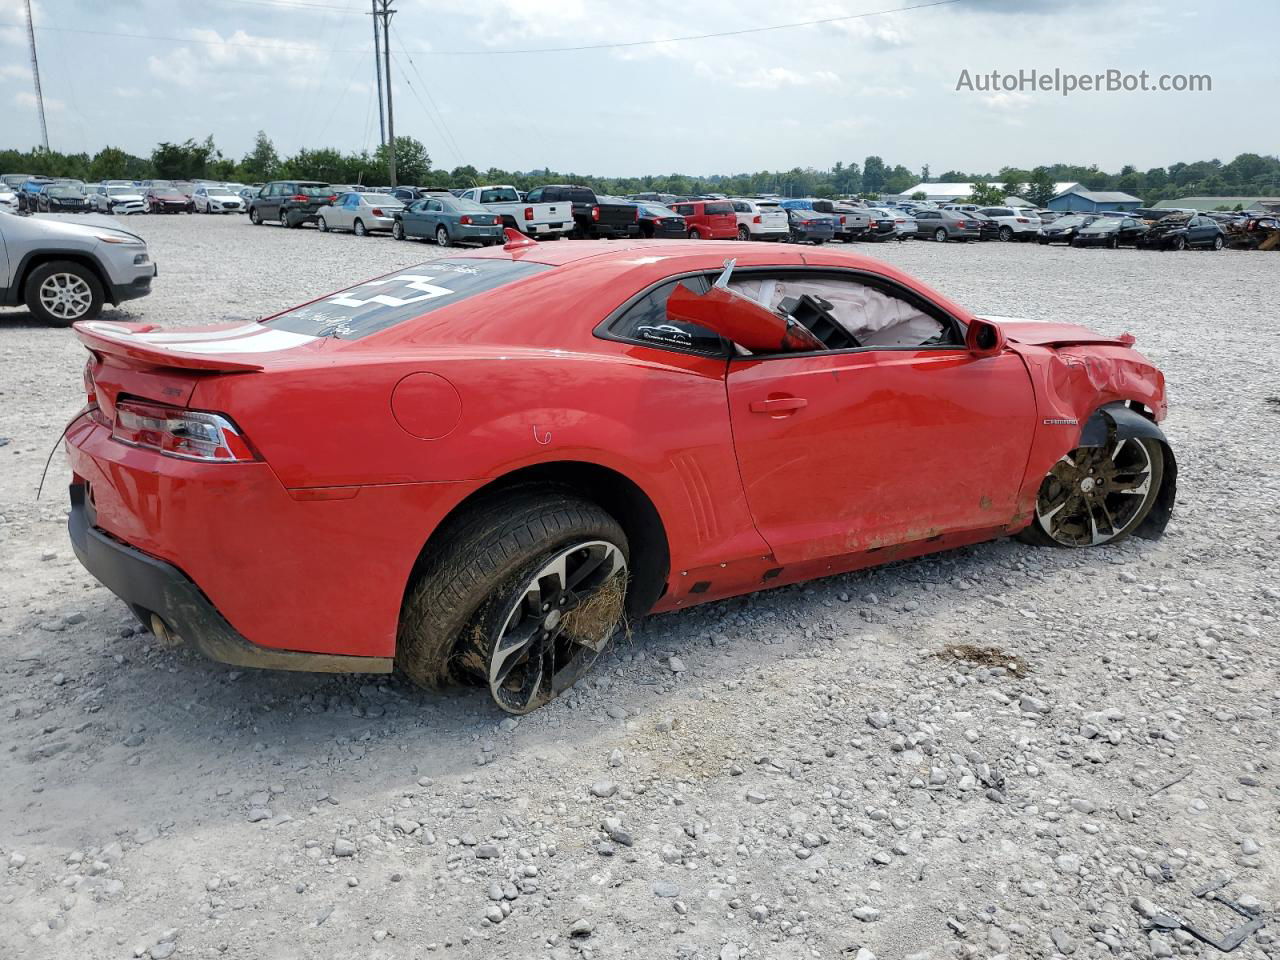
x,y
801,773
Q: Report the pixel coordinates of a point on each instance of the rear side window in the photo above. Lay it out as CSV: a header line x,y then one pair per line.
x,y
719,207
380,304
580,195
645,321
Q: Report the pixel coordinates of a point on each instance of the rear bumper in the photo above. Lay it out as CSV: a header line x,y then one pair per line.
x,y
315,572
548,228
153,588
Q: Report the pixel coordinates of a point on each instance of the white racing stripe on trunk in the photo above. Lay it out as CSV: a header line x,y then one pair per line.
x,y
240,331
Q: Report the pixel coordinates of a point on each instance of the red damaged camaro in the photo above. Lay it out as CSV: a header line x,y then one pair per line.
x,y
476,468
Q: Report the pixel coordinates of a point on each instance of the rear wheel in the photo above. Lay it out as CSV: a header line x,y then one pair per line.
x,y
744,233
523,597
1218,242
397,230
359,229
940,235
61,292
442,236
255,217
1097,495
322,225
1114,243
1006,234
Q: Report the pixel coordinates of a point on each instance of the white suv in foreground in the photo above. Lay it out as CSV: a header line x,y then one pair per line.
x,y
1016,223
760,219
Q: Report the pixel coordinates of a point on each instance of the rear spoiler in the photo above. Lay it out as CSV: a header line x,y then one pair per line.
x,y
123,340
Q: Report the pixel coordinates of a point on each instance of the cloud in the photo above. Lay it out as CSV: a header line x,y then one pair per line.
x,y
765,78
51,104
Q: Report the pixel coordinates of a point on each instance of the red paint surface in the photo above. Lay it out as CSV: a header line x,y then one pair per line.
x,y
791,466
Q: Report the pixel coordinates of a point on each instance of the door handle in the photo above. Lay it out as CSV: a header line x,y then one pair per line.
x,y
779,405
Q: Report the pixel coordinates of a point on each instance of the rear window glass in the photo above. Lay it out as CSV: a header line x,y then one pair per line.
x,y
579,195
646,322
499,196
380,304
315,189
719,208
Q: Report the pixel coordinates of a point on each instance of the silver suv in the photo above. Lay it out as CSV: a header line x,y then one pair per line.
x,y
65,271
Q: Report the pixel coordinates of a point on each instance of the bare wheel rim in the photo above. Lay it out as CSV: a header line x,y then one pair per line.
x,y
557,625
1094,494
66,296
442,237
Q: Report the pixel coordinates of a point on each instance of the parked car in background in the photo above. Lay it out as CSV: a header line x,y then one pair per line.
x,y
63,196
29,193
809,226
1014,223
591,216
247,194
1179,232
185,187
657,221
292,202
8,199
166,200
943,225
886,224
662,199
1064,228
988,229
1047,216
1110,232
14,181
549,220
708,219
64,271
760,219
120,201
448,220
216,199
360,213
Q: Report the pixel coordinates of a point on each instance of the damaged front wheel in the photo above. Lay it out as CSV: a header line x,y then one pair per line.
x,y
1097,495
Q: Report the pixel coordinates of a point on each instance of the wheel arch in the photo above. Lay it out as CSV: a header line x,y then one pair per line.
x,y
619,495
1130,419
39,257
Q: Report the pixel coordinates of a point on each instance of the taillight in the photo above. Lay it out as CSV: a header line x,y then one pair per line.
x,y
1021,219
465,220
376,211
303,198
333,198
961,223
595,213
756,219
842,219
528,213
177,432
637,214
872,223
806,223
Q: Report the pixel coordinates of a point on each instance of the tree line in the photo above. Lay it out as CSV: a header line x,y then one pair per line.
x,y
1247,174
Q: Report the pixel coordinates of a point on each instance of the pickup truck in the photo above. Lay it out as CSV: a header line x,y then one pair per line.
x,y
592,217
550,220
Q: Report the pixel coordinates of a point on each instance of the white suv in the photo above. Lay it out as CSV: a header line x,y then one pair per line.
x,y
1015,223
760,219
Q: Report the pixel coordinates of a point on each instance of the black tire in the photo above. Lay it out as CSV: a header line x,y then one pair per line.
x,y
744,233
255,217
358,228
1006,234
442,236
67,268
1114,243
322,225
818,243
694,234
1037,533
1218,242
285,221
1179,243
485,554
397,230
940,235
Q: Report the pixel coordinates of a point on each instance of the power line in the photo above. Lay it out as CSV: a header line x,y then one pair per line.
x,y
414,90
447,133
526,50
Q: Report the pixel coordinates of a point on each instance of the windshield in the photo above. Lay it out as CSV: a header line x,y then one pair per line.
x,y
500,195
66,190
1104,225
120,191
381,199
380,304
1068,221
656,211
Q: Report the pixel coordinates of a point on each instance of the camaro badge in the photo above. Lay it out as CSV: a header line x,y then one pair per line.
x,y
1061,422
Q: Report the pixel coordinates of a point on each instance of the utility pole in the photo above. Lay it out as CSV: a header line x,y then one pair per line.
x,y
382,8
35,75
377,73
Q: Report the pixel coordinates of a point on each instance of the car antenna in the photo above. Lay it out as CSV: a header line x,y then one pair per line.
x,y
723,279
516,240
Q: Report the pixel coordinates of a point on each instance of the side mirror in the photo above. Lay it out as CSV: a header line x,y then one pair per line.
x,y
983,338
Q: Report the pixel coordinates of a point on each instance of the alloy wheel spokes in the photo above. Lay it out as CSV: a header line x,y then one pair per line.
x,y
1092,494
557,626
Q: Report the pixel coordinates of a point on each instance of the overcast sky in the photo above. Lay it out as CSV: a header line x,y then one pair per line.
x,y
806,96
